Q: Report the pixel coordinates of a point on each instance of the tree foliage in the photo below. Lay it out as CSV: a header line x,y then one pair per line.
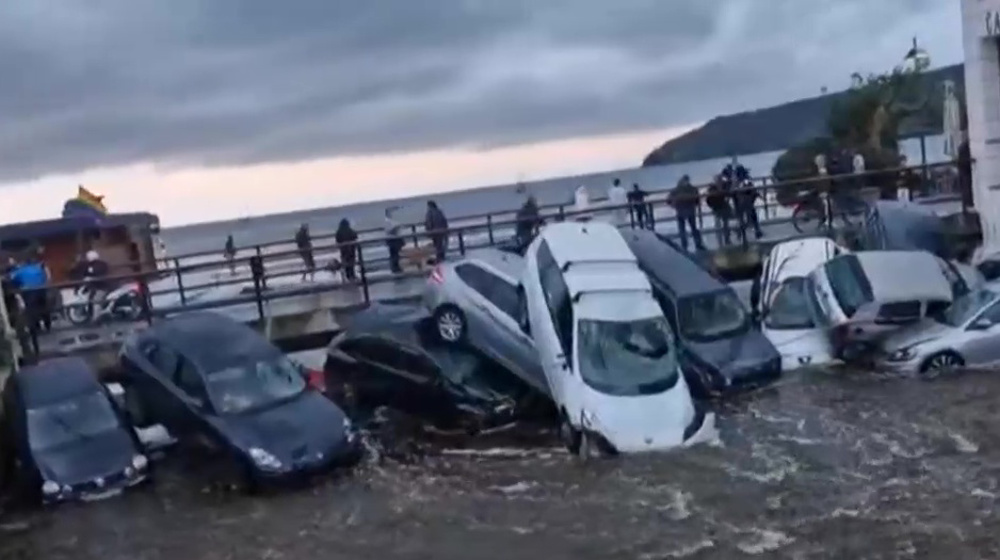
x,y
867,120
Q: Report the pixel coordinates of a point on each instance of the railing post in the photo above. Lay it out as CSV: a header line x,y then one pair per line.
x,y
461,242
562,213
180,280
260,263
416,238
257,270
489,228
364,274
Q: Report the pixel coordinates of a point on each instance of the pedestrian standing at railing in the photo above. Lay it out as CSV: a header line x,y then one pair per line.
x,y
346,239
858,167
304,243
684,199
718,202
436,225
230,254
637,204
31,278
745,203
393,241
528,220
618,199
581,203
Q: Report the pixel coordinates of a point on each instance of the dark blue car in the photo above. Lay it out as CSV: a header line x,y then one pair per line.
x,y
721,350
64,438
218,384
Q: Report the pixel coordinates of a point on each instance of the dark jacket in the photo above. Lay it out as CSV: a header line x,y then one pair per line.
x,y
346,234
302,239
527,218
684,197
636,196
435,220
717,199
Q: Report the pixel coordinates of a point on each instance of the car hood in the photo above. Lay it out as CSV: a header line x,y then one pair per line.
x,y
642,423
924,331
738,356
88,459
293,431
801,347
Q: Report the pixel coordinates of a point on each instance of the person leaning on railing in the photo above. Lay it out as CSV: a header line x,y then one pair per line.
x,y
685,200
436,225
718,203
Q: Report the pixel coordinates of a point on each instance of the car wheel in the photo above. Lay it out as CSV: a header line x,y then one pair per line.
x,y
450,323
942,362
569,435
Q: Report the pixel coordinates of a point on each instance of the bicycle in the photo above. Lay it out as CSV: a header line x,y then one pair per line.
x,y
810,213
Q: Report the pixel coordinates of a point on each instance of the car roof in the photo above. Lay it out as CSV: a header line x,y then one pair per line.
x,y
396,321
591,278
211,340
55,380
670,265
507,264
586,242
799,257
900,275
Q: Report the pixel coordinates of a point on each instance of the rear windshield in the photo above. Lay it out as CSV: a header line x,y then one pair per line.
x,y
899,312
848,282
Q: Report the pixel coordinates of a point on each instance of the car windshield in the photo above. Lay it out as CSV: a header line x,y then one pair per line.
x,y
965,308
712,316
849,283
792,306
254,385
79,418
627,358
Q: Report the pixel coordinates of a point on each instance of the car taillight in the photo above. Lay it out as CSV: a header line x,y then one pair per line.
x,y
437,275
316,379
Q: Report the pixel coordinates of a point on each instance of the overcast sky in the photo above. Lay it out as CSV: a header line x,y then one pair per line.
x,y
185,84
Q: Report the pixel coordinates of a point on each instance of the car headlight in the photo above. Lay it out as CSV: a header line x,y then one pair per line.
x,y
140,462
50,488
264,460
902,355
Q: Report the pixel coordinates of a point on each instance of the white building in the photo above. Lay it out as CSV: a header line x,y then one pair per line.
x,y
981,39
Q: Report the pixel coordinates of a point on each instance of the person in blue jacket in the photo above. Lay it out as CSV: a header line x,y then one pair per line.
x,y
31,278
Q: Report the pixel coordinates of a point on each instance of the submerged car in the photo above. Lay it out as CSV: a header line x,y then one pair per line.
x,y
965,334
218,384
608,352
864,296
66,438
474,302
785,301
391,355
720,349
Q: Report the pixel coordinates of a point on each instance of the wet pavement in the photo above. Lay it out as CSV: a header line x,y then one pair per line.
x,y
824,465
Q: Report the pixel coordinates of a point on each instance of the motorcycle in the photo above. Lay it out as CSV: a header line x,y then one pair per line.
x,y
124,303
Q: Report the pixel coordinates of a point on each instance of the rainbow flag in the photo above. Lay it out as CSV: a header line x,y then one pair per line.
x,y
92,200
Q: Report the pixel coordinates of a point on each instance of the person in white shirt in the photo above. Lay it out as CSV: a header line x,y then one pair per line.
x,y
618,198
581,203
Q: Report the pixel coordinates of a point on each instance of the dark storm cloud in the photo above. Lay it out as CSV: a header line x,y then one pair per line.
x,y
221,82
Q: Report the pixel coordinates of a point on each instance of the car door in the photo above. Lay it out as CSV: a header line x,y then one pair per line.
x,y
382,377
193,398
500,335
543,308
155,383
982,346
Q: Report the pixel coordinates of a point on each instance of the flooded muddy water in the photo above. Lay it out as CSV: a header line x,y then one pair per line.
x,y
824,465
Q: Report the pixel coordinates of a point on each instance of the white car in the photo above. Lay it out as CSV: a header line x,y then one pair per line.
x,y
788,310
608,353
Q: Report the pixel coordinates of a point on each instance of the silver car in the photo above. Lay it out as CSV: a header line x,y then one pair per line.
x,y
475,302
966,333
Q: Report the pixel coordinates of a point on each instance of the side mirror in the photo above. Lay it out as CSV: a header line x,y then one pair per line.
x,y
981,324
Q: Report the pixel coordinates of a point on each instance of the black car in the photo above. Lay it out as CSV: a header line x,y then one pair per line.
x,y
218,384
721,350
63,436
390,355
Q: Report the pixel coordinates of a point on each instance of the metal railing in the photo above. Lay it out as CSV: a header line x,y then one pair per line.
x,y
257,269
